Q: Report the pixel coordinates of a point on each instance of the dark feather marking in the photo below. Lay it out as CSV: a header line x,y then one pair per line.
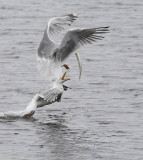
x,y
59,97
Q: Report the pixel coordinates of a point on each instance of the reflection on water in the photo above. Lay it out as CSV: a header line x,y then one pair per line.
x,y
101,116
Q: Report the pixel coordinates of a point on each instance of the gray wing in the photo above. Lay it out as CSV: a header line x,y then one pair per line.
x,y
51,95
75,38
47,46
55,26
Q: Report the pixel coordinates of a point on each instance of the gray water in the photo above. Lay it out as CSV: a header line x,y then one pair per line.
x,y
101,117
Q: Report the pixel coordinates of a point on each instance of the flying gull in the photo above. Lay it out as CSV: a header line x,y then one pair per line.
x,y
51,55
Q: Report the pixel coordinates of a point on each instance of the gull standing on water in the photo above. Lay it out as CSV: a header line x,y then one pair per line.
x,y
51,57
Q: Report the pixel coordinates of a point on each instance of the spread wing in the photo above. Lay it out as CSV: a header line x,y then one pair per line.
x,y
55,26
75,38
51,95
46,47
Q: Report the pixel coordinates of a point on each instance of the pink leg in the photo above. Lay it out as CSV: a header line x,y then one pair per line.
x,y
30,114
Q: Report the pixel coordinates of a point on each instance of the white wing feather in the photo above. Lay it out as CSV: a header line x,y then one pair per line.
x,y
53,94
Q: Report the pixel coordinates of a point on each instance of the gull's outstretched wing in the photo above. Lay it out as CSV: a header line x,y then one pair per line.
x,y
55,26
46,47
51,95
75,38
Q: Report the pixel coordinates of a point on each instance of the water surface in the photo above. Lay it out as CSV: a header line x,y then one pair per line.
x,y
101,116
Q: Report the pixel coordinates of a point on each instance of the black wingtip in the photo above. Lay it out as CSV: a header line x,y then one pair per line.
x,y
102,29
59,97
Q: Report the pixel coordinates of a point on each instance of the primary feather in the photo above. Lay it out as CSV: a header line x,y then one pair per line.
x,y
76,38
